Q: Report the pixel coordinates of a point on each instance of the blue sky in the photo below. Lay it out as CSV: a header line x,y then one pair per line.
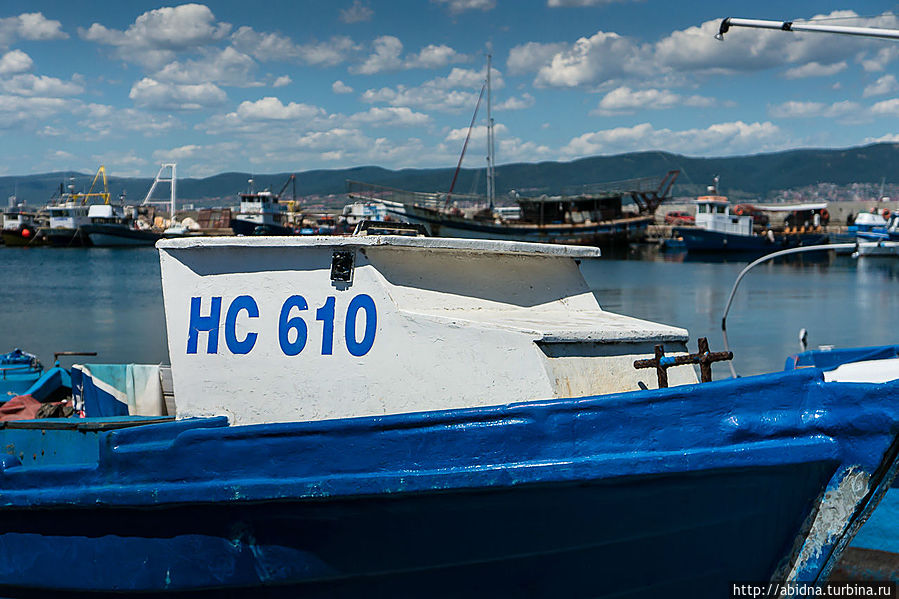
x,y
278,86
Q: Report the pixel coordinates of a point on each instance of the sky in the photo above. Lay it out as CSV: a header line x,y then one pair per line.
x,y
288,86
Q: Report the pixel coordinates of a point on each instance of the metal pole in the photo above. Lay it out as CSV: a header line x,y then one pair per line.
x,y
729,22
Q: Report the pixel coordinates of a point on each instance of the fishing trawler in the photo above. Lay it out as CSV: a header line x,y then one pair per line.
x,y
70,212
262,213
606,214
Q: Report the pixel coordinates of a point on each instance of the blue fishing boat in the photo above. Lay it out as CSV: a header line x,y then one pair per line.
x,y
18,371
378,415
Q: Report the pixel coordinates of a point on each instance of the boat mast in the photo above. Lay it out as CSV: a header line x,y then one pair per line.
x,y
491,185
729,22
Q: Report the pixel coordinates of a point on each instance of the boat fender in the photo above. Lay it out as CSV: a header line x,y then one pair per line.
x,y
26,233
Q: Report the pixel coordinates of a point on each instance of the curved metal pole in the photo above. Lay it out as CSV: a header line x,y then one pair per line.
x,y
729,22
733,291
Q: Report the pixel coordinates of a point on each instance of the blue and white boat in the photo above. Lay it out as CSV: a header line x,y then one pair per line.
x,y
387,416
719,230
18,371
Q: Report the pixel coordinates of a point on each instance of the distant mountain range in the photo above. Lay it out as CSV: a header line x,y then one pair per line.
x,y
741,176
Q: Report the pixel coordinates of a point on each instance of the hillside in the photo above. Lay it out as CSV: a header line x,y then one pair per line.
x,y
753,176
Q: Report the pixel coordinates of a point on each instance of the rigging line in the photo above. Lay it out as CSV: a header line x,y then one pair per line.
x,y
855,18
733,291
465,145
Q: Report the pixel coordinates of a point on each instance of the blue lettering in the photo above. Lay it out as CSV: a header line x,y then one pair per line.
x,y
204,323
241,302
285,324
326,315
361,302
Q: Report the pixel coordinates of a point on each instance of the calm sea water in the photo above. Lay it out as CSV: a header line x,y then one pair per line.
x,y
110,301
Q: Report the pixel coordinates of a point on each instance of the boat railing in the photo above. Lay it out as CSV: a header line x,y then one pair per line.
x,y
372,192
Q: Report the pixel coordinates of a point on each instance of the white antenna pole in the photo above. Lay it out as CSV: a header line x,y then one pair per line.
x,y
729,22
491,182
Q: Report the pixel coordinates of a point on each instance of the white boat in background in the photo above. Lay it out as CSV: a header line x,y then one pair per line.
x,y
262,213
70,213
877,248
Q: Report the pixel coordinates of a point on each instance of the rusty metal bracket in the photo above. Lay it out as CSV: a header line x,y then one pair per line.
x,y
703,357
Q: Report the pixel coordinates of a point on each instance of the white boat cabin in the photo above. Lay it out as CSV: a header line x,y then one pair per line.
x,y
281,329
13,221
262,208
713,214
68,215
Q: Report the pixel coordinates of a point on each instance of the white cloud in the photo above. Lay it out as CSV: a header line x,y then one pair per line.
x,y
30,26
282,81
459,6
271,109
15,61
433,56
356,13
19,111
41,86
103,120
880,59
157,95
393,116
456,92
274,46
886,107
339,87
884,85
814,109
718,139
525,101
156,35
478,133
226,67
625,100
529,57
601,57
385,56
815,69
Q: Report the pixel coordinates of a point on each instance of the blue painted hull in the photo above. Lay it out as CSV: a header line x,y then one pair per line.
x,y
672,492
702,240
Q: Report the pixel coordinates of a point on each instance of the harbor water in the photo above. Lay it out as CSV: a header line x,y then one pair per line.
x,y
110,301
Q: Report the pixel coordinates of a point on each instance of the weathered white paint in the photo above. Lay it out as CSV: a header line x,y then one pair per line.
x,y
832,517
459,323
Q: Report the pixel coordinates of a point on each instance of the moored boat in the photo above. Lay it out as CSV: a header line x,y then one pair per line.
x,y
469,405
113,225
262,213
18,371
21,229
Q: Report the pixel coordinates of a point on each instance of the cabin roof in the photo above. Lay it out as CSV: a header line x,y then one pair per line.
x,y
428,243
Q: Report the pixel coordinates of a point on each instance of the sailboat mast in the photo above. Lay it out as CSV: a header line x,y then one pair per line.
x,y
491,186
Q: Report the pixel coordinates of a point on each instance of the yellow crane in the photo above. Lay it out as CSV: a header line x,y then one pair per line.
x,y
91,194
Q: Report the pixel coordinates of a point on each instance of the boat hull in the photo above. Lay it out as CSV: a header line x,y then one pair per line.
x,y
593,496
604,233
24,237
119,236
702,240
60,237
245,227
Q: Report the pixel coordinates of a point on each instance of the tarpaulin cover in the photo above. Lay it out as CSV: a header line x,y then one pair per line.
x,y
118,389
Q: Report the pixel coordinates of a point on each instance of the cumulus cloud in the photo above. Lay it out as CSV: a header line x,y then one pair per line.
x,y
815,69
625,100
158,95
282,81
886,107
274,46
357,13
526,100
814,109
339,87
460,6
387,53
15,61
456,92
884,85
103,120
392,116
601,57
227,67
270,108
156,35
529,57
722,139
41,86
29,26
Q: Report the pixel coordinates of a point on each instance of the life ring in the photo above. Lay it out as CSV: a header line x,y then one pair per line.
x,y
886,214
825,216
738,211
